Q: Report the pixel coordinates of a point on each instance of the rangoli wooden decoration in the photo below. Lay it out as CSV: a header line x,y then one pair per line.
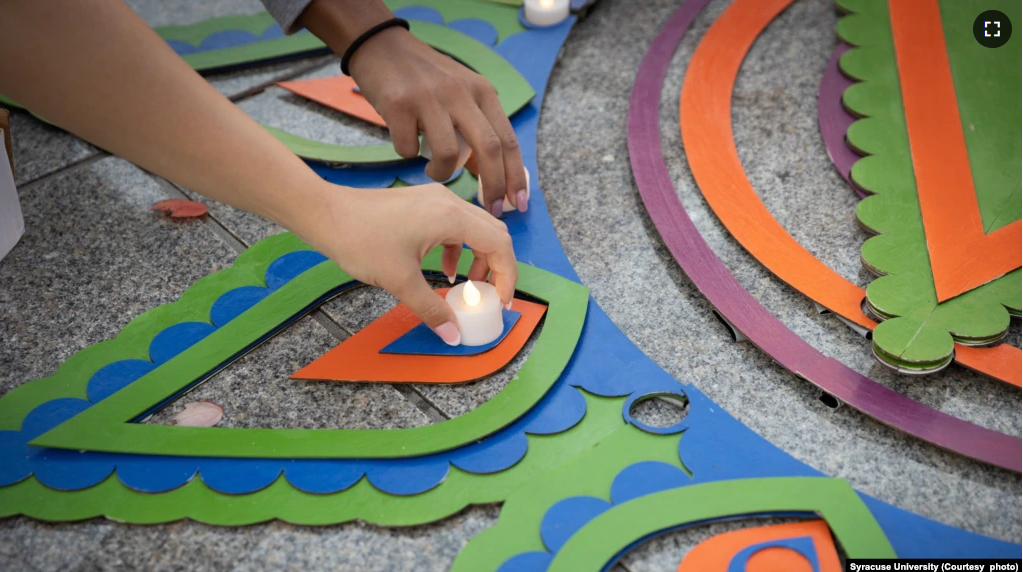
x,y
729,38
1002,361
582,480
910,149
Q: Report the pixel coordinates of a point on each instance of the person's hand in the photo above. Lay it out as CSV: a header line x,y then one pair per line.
x,y
380,236
415,88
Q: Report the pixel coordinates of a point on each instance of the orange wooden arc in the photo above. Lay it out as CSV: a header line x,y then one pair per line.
x,y
962,256
359,359
705,108
1001,362
715,553
706,123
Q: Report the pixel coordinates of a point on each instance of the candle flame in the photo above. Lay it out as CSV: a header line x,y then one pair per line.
x,y
470,294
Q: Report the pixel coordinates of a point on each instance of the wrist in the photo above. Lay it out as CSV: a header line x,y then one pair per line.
x,y
381,47
376,35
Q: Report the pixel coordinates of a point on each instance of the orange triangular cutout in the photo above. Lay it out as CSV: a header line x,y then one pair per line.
x,y
359,359
337,93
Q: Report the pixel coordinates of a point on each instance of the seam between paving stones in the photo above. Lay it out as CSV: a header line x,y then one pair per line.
x,y
313,66
432,411
88,160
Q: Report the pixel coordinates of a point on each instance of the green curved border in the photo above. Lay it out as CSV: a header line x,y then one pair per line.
x,y
604,537
106,426
512,89
917,332
592,472
281,501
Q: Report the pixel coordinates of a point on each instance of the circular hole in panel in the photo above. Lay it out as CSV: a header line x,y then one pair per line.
x,y
660,413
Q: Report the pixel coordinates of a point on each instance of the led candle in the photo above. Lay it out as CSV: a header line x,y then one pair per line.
x,y
508,206
477,312
546,12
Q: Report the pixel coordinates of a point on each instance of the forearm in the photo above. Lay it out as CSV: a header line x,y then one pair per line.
x,y
94,68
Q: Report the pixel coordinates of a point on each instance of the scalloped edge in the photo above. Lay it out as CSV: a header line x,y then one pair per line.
x,y
855,23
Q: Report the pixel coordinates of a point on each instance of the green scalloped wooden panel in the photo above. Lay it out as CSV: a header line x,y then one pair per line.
x,y
918,333
281,501
591,474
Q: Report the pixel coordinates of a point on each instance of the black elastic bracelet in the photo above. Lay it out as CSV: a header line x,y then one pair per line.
x,y
367,35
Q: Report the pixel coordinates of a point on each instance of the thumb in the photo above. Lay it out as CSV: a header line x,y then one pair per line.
x,y
431,309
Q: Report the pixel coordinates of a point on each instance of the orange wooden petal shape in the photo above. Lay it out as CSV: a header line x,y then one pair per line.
x,y
715,553
962,255
359,359
1001,362
336,92
705,117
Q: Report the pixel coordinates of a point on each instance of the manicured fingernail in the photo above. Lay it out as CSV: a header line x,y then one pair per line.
x,y
448,332
522,201
451,278
497,208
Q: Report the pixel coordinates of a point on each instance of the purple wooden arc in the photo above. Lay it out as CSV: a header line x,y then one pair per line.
x,y
834,120
715,282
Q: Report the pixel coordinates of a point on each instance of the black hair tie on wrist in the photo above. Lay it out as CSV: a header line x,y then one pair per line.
x,y
366,36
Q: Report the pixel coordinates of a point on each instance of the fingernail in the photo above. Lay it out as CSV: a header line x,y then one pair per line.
x,y
451,278
497,208
448,332
522,201
507,306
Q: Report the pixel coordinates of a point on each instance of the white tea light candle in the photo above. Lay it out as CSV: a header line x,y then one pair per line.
x,y
477,312
546,12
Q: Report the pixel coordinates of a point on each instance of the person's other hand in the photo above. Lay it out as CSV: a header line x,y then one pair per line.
x,y
380,236
415,88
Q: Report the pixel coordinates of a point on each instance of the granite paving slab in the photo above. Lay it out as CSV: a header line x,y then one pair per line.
x,y
41,149
178,12
603,225
92,258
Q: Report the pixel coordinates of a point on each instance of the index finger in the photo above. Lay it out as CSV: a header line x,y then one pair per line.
x,y
491,238
516,185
